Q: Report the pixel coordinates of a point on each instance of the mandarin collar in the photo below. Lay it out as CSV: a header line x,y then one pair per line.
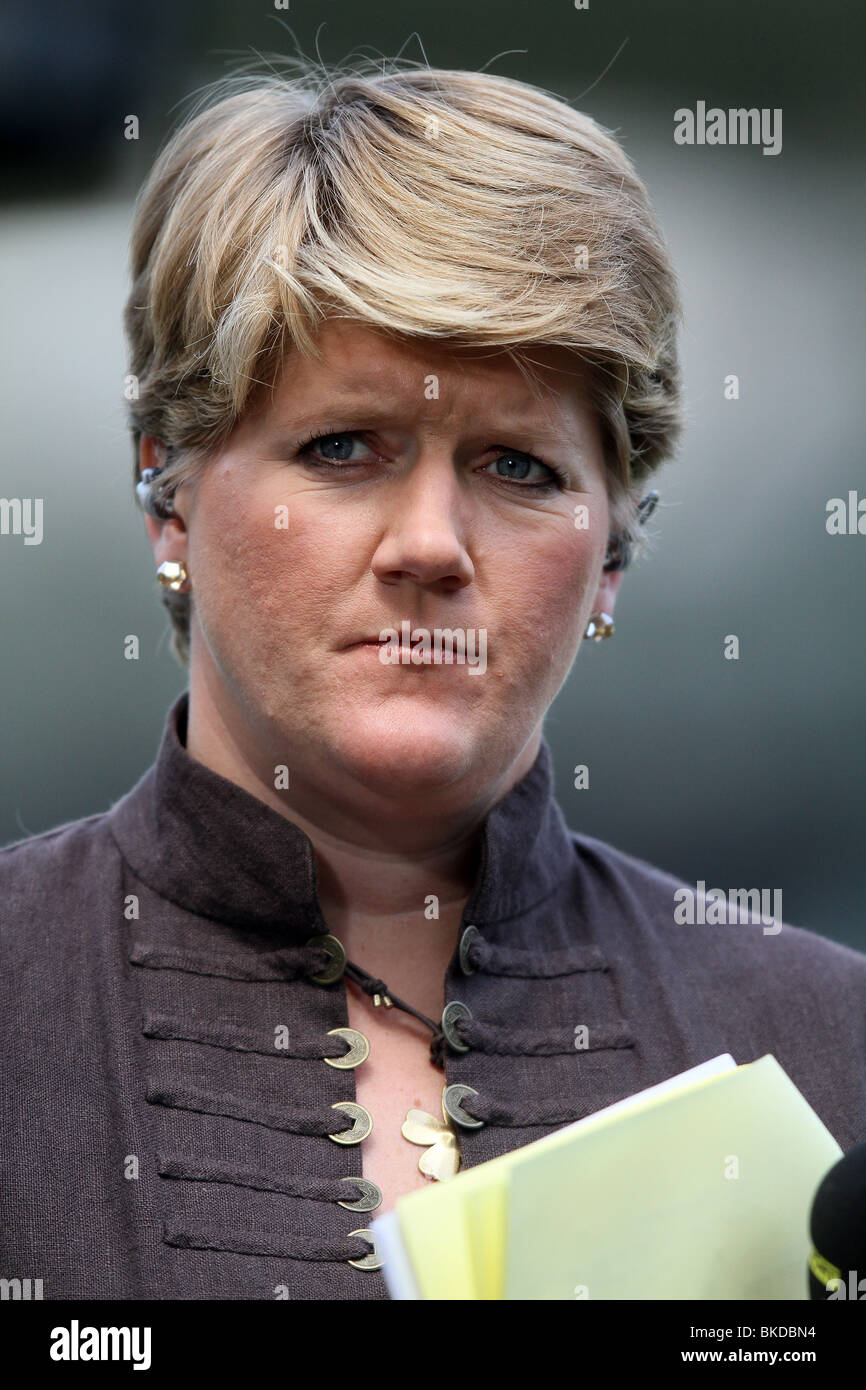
x,y
215,849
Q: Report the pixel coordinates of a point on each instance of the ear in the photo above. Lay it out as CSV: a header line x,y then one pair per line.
x,y
167,536
605,594
151,452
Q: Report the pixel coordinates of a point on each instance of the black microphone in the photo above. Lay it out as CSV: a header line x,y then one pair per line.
x,y
837,1225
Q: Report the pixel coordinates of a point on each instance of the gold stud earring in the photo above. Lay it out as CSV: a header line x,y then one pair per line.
x,y
172,574
599,626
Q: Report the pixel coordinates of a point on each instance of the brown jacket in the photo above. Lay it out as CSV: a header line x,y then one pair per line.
x,y
158,1142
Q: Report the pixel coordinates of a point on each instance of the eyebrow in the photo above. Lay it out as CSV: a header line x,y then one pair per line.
x,y
378,413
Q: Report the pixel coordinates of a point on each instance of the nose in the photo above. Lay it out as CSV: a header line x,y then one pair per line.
x,y
423,540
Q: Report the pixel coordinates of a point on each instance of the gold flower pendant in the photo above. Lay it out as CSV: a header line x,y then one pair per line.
x,y
442,1157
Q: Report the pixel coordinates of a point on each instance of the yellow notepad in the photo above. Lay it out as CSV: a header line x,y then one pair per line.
x,y
699,1188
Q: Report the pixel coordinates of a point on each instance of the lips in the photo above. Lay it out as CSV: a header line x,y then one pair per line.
x,y
410,646
376,641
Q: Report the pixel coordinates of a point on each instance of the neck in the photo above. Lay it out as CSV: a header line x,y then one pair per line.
x,y
380,869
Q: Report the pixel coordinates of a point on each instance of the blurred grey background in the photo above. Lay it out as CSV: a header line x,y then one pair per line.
x,y
745,773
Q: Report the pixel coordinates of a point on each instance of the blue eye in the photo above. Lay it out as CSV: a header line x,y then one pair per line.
x,y
334,449
515,467
337,447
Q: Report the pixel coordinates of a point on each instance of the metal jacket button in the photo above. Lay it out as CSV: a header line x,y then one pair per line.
x,y
337,962
362,1126
359,1049
450,1015
452,1098
370,1199
471,934
374,1259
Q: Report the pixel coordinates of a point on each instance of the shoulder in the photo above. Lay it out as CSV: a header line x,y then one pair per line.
x,y
616,870
746,930
36,853
43,876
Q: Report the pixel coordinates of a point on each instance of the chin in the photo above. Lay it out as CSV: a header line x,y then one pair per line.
x,y
398,747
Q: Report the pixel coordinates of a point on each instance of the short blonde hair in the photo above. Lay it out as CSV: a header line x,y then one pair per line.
x,y
461,207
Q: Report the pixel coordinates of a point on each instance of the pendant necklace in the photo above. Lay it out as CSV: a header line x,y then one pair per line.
x,y
441,1157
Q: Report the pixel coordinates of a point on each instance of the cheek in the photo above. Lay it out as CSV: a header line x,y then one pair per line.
x,y
249,560
547,587
272,565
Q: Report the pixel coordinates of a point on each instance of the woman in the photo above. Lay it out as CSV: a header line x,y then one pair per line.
x,y
403,360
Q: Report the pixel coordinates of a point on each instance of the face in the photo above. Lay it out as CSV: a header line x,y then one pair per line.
x,y
397,487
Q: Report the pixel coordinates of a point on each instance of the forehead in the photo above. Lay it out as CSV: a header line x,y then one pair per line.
x,y
362,363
